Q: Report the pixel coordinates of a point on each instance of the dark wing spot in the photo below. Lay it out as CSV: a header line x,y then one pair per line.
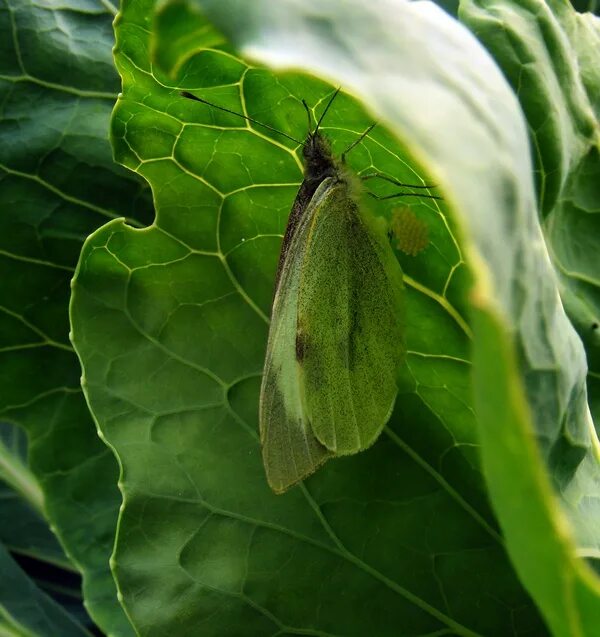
x,y
300,345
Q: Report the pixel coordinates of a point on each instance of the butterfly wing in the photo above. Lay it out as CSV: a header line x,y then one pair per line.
x,y
350,323
290,450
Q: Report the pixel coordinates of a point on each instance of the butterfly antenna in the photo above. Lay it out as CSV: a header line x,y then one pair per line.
x,y
337,90
357,141
248,119
309,115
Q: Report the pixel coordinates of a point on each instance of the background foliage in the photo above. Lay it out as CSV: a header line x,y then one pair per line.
x,y
170,323
58,183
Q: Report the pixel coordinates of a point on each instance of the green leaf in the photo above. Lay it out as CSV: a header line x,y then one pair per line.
x,y
549,54
170,325
537,534
510,264
57,184
23,527
26,611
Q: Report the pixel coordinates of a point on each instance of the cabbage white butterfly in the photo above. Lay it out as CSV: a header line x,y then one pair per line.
x,y
336,334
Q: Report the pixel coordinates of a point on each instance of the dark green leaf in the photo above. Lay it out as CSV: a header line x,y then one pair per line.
x,y
57,184
26,611
23,527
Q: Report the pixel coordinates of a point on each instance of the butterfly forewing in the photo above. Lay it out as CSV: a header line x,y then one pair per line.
x,y
290,450
350,323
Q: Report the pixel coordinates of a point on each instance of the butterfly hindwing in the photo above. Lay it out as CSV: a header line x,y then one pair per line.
x,y
350,323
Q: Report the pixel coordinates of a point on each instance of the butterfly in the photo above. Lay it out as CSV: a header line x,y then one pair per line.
x,y
336,337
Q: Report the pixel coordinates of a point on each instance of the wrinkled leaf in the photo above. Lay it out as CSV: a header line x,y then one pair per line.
x,y
550,55
538,536
170,324
57,184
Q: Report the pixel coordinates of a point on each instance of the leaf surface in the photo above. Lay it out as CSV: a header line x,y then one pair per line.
x,y
549,54
170,323
57,184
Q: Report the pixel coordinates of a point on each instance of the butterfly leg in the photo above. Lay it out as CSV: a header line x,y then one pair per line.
x,y
404,194
391,180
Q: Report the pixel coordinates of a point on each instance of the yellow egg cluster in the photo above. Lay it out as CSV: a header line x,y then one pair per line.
x,y
410,232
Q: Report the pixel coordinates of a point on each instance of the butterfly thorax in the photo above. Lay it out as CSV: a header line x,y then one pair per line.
x,y
319,162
